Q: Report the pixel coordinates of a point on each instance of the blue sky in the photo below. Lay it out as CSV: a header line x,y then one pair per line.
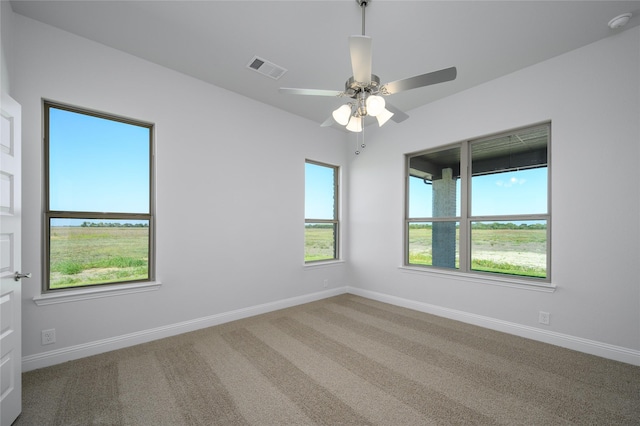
x,y
319,192
521,192
508,193
97,165
103,166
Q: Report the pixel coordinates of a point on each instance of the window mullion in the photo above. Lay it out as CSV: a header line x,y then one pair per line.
x,y
514,218
465,203
97,215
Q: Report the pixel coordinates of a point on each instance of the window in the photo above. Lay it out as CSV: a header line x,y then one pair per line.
x,y
98,199
482,206
320,212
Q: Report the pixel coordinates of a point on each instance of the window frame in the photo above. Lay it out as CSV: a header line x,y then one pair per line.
x,y
466,218
336,213
49,214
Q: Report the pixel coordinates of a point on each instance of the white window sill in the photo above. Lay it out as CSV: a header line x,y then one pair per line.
x,y
512,282
64,296
323,263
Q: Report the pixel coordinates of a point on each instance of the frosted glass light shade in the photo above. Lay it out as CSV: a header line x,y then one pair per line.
x,y
342,114
355,124
383,116
375,105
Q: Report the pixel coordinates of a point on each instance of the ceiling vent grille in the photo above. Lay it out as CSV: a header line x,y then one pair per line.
x,y
265,67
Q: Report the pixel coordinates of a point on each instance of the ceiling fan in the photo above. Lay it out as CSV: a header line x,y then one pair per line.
x,y
365,88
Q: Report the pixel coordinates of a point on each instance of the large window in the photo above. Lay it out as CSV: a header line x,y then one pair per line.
x,y
482,205
98,199
320,212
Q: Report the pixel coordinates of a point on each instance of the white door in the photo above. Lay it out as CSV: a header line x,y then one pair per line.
x,y
10,272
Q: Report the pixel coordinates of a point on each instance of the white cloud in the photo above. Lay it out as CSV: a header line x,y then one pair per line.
x,y
510,182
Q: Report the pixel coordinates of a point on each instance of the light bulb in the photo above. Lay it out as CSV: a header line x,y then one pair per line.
x,y
384,116
355,124
342,114
375,105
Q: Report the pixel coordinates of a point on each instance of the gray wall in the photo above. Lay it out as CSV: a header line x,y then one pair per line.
x,y
6,44
592,97
230,195
230,242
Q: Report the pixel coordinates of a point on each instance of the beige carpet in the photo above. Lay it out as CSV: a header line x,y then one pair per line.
x,y
341,361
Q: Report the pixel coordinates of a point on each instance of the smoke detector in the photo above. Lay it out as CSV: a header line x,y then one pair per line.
x,y
619,21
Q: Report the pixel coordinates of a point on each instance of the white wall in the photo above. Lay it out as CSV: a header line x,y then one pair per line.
x,y
210,265
6,38
230,194
592,97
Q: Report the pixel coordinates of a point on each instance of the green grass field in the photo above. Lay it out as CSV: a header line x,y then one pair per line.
x,y
318,243
507,251
97,255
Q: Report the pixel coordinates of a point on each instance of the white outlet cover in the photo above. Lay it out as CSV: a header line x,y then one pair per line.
x,y
543,318
48,336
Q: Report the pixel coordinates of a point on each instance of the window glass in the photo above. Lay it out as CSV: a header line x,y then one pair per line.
x,y
434,244
97,164
319,201
510,193
420,197
321,212
88,252
509,173
99,223
482,205
515,248
319,241
434,184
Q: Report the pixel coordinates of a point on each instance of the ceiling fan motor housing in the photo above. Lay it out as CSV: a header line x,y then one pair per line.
x,y
361,92
353,87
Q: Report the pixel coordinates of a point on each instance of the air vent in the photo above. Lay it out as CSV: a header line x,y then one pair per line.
x,y
265,67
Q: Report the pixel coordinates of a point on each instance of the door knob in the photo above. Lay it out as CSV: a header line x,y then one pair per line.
x,y
19,276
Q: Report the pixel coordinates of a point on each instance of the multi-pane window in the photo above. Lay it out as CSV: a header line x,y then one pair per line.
x,y
320,212
482,205
98,199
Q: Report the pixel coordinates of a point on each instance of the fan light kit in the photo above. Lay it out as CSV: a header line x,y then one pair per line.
x,y
365,90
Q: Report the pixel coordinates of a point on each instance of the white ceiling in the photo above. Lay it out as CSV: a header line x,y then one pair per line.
x,y
215,40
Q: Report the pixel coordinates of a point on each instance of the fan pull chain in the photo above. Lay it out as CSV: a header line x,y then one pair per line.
x,y
357,151
362,144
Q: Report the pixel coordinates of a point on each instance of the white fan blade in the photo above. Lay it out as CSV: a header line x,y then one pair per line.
x,y
398,115
311,92
360,48
328,122
422,80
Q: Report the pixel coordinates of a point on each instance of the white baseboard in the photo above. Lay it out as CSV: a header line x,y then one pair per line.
x,y
58,356
592,347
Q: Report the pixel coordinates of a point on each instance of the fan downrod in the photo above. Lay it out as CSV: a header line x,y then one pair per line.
x,y
363,6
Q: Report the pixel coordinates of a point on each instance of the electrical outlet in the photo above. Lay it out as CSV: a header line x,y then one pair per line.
x,y
325,283
543,317
48,336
